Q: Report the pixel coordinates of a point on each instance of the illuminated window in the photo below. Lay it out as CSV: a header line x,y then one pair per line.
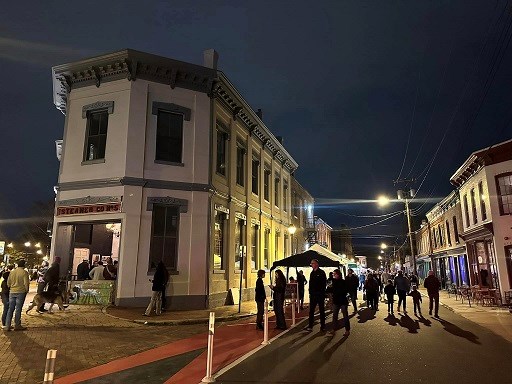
x,y
96,135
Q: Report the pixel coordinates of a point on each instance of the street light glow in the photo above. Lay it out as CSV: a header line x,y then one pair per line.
x,y
383,200
292,229
37,245
39,252
383,246
380,257
27,244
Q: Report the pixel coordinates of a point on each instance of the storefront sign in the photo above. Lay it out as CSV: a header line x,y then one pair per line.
x,y
89,209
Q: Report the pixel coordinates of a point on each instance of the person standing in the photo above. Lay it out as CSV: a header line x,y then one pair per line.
x,y
164,288
352,285
97,272
18,283
279,289
260,296
301,282
51,278
156,297
432,284
82,271
5,294
41,283
317,282
339,292
402,286
109,271
362,279
390,291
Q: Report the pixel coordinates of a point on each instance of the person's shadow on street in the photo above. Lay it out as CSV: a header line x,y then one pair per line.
x,y
365,314
392,320
412,325
457,331
425,321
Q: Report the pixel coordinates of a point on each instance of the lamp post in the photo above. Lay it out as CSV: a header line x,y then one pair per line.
x,y
291,230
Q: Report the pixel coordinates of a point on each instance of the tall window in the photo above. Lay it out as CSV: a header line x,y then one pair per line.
x,y
255,176
240,164
222,138
296,206
96,135
466,210
164,236
285,196
266,249
276,246
218,248
504,184
455,230
169,137
285,245
276,191
439,231
448,235
473,205
239,242
434,237
266,185
481,196
254,245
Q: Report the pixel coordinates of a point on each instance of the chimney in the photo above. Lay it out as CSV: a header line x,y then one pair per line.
x,y
210,58
259,112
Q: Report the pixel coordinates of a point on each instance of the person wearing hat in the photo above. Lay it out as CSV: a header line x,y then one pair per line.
x,y
317,283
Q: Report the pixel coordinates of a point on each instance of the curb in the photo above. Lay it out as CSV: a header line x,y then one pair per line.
x,y
205,320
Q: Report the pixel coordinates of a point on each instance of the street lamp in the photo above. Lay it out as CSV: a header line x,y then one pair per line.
x,y
291,230
383,200
27,244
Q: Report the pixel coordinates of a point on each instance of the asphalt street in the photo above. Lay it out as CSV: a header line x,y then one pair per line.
x,y
382,348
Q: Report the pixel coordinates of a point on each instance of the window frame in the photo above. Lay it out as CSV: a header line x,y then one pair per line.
x,y
483,208
473,205
277,181
240,164
156,207
89,116
266,184
500,196
255,176
222,137
466,209
179,159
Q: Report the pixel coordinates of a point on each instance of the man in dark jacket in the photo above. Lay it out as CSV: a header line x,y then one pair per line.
x,y
317,282
352,285
301,282
51,278
260,297
433,285
339,292
402,286
82,271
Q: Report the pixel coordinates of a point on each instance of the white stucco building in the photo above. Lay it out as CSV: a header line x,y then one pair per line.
x,y
165,160
484,182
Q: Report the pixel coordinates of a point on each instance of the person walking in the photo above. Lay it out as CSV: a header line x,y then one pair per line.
x,y
301,282
390,291
432,284
339,290
402,286
18,283
156,297
279,289
352,285
317,282
416,300
371,287
260,296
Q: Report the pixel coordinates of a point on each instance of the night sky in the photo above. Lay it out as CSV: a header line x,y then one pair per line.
x,y
352,86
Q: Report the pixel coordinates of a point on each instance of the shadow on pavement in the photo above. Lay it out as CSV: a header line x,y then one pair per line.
x,y
425,321
412,325
392,320
457,331
365,314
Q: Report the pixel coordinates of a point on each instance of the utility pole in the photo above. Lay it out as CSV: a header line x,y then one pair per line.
x,y
406,194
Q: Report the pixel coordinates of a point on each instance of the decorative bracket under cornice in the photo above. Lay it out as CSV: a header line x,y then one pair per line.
x,y
236,111
172,80
96,72
132,68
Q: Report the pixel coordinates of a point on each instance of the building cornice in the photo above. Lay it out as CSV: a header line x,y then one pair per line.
x,y
131,65
229,96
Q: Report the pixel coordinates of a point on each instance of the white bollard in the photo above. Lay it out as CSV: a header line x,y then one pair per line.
x,y
265,325
211,331
293,309
50,366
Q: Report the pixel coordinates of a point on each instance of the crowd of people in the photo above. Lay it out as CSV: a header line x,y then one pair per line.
x,y
341,292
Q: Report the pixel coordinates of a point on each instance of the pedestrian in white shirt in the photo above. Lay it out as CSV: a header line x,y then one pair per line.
x,y
97,272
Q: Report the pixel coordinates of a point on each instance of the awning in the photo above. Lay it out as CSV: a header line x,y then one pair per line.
x,y
304,259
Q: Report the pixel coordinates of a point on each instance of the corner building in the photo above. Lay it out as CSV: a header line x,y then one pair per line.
x,y
165,160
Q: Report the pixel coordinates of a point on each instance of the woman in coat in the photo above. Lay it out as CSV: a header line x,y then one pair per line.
x,y
279,289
